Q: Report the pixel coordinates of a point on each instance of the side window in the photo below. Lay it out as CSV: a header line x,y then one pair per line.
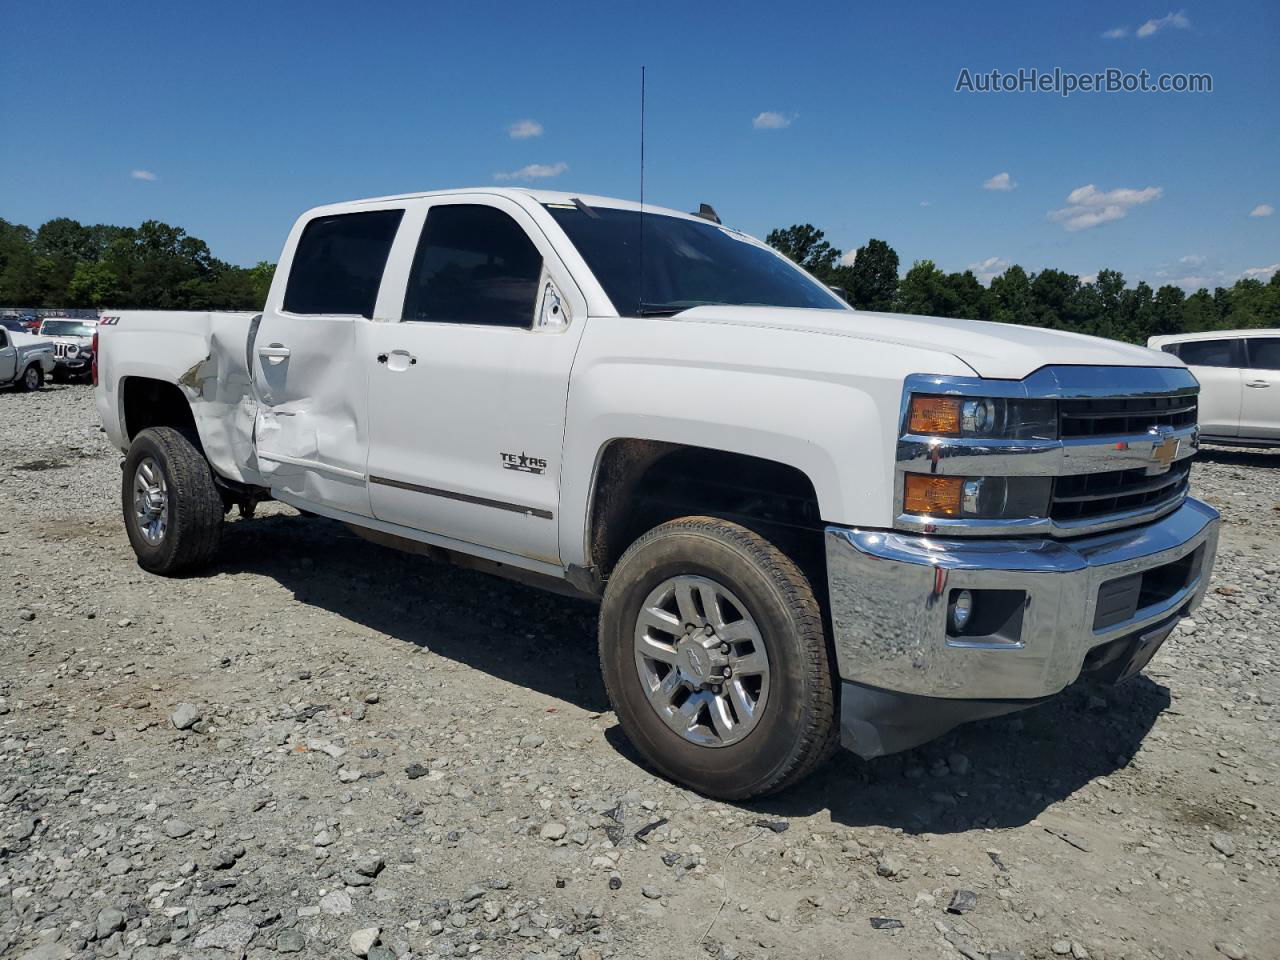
x,y
1264,353
4,338
474,264
1208,353
338,264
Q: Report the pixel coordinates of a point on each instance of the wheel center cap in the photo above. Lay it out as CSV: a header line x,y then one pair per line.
x,y
698,664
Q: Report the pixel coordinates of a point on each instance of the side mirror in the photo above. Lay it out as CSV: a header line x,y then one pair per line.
x,y
840,292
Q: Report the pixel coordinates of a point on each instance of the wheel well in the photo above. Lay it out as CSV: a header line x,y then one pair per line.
x,y
642,483
155,403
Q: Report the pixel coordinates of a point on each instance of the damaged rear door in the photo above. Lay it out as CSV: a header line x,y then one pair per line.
x,y
311,436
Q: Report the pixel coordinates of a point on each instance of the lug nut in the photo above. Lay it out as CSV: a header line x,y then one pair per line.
x,y
716,689
708,630
725,648
728,672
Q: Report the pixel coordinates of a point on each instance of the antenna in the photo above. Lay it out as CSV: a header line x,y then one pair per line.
x,y
640,285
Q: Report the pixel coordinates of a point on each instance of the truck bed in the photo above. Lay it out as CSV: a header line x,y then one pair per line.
x,y
206,356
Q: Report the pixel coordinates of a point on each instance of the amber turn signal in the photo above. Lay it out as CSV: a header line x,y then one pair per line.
x,y
934,416
932,495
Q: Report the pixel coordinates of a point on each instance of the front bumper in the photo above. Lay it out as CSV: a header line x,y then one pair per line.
x,y
77,365
889,596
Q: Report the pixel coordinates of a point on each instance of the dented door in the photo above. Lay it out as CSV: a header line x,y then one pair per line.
x,y
311,434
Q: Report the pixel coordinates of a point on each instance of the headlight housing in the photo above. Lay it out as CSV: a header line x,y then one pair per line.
x,y
984,418
976,498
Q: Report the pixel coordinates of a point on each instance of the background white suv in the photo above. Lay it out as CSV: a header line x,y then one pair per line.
x,y
1239,374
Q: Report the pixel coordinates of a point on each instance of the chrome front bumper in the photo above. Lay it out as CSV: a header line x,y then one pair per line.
x,y
889,598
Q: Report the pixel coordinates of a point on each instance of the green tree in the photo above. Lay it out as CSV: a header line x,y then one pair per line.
x,y
925,291
872,281
806,245
1012,294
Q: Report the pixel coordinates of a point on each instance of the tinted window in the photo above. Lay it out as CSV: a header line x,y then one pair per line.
x,y
687,263
1208,353
4,339
1264,353
339,261
474,264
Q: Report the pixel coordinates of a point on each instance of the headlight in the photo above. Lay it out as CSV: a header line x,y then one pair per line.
x,y
72,350
988,418
978,498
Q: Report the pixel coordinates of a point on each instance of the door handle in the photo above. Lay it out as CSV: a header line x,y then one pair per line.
x,y
397,359
274,353
1258,383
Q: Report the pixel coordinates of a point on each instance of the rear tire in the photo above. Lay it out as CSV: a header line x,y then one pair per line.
x,y
736,577
172,507
32,378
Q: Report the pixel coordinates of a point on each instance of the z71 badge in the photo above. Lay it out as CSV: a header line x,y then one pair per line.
x,y
523,463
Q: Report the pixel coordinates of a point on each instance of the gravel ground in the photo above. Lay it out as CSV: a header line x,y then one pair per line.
x,y
326,749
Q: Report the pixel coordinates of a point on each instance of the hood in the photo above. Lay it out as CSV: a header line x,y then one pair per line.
x,y
78,341
29,341
996,351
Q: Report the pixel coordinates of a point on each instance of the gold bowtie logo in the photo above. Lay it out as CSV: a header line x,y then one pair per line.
x,y
1163,451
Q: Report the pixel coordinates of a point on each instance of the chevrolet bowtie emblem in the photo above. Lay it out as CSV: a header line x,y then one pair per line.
x,y
1163,451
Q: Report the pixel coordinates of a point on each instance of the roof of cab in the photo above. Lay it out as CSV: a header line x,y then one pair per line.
x,y
526,193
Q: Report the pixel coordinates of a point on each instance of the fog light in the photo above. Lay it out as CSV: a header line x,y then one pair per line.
x,y
961,611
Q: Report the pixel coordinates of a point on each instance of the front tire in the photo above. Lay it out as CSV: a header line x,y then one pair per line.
x,y
32,378
172,507
716,661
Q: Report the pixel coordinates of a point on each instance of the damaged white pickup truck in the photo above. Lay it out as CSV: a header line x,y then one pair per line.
x,y
806,525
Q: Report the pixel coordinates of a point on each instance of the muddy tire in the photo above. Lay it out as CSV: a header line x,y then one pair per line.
x,y
716,661
172,508
32,378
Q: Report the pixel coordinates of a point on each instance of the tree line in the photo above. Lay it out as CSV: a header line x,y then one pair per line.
x,y
1103,306
160,267
151,267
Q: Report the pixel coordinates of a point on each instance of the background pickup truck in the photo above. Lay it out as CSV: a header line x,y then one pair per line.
x,y
806,525
25,360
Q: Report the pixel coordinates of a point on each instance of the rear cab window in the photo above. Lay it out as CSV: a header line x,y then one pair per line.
x,y
338,263
1210,353
1263,353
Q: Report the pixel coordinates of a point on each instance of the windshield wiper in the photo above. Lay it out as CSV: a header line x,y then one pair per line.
x,y
671,309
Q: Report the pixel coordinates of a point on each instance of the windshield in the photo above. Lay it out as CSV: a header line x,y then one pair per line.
x,y
686,263
66,328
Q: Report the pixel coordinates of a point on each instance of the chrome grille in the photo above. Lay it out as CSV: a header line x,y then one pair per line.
x,y
1101,494
1117,416
59,349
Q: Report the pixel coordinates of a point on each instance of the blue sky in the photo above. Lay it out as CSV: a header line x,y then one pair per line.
x,y
243,115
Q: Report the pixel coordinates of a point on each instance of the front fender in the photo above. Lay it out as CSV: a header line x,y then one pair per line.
x,y
828,406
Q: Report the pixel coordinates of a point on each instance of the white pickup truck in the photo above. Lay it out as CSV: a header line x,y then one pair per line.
x,y
806,525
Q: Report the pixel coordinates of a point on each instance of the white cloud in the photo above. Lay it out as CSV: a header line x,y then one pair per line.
x,y
534,171
1115,33
771,120
1262,210
1261,273
1088,206
1001,181
848,259
524,129
1193,282
1192,259
924,203
984,270
1088,278
1178,20
143,175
